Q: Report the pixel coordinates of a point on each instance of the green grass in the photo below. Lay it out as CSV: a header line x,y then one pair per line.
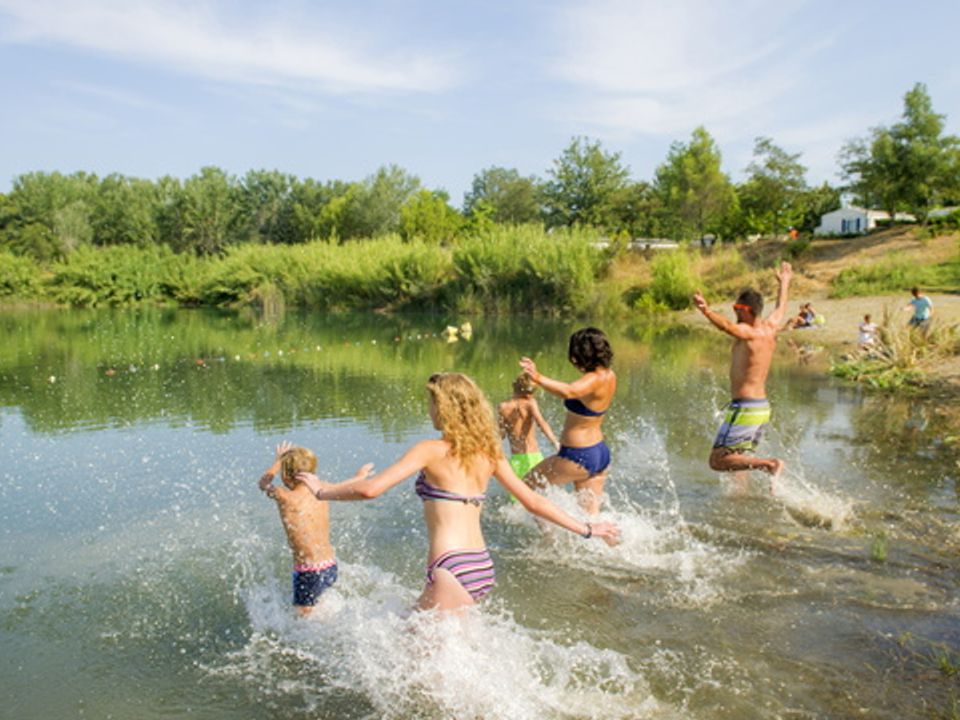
x,y
502,270
896,274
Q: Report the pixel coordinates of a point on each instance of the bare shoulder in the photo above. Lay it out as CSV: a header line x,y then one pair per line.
x,y
431,449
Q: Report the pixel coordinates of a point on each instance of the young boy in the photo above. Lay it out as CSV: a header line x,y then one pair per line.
x,y
306,521
518,417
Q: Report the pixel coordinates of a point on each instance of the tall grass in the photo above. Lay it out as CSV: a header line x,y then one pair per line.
x,y
506,269
895,274
116,276
523,267
901,355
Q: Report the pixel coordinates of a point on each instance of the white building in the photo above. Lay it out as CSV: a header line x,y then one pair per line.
x,y
855,220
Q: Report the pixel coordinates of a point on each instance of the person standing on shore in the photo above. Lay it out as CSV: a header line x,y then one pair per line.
x,y
748,413
922,307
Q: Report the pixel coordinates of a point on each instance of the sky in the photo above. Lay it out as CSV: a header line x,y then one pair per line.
x,y
335,90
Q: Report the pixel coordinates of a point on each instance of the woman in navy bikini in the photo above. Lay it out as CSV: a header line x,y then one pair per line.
x,y
452,475
583,458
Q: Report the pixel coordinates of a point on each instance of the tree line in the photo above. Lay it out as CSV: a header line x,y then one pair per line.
x,y
910,166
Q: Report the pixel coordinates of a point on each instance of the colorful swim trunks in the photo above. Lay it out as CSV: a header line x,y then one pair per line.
x,y
309,582
743,424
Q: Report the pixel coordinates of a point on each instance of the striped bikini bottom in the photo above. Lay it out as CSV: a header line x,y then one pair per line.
x,y
473,569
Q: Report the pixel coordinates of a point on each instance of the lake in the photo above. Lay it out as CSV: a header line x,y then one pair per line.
x,y
143,575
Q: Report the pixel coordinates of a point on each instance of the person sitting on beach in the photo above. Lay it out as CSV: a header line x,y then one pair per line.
x,y
922,307
748,413
867,339
519,418
804,318
306,523
452,473
584,458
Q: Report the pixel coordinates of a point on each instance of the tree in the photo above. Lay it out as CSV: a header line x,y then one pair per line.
x,y
428,216
48,214
263,203
697,197
125,212
510,197
769,199
909,166
374,208
584,184
208,211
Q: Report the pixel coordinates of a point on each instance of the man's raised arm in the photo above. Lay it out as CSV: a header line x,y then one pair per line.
x,y
731,328
784,275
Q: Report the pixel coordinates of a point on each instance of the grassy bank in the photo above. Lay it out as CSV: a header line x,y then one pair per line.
x,y
506,269
520,269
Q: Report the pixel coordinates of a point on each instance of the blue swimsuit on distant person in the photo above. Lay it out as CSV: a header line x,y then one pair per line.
x,y
595,458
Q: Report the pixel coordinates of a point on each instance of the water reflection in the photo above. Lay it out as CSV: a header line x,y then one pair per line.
x,y
135,538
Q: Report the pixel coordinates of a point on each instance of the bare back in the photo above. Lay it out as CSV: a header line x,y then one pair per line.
x,y
307,524
518,424
584,430
750,363
454,525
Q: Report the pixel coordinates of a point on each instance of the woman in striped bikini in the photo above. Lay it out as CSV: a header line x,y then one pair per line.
x,y
452,475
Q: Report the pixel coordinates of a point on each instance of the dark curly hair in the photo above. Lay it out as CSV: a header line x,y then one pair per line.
x,y
590,349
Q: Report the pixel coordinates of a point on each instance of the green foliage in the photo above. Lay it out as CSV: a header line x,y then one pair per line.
x,y
524,267
674,280
373,208
909,166
509,197
771,198
584,184
796,248
19,276
696,196
427,216
900,356
878,548
895,274
114,276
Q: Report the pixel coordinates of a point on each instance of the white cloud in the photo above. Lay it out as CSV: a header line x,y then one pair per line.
x,y
199,38
655,68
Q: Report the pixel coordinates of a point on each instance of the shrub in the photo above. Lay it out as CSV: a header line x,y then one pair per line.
x,y
19,276
674,280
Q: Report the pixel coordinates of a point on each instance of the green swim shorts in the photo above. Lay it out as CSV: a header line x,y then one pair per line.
x,y
522,463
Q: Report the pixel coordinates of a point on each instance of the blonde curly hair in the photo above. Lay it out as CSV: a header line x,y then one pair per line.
x,y
465,417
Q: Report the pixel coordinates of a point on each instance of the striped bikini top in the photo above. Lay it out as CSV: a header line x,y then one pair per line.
x,y
426,491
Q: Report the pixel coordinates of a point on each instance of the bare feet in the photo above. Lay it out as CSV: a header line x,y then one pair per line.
x,y
776,467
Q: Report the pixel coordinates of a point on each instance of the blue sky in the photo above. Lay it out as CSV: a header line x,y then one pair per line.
x,y
445,89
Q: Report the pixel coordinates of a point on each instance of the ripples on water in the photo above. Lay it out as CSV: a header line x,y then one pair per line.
x,y
143,574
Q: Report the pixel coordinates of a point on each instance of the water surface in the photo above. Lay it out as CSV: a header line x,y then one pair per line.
x,y
144,576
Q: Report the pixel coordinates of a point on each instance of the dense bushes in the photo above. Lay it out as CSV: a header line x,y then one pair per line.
x,y
502,270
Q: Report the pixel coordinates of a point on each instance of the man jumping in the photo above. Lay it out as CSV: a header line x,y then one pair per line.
x,y
748,413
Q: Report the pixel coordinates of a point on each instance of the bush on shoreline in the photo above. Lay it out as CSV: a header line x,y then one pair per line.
x,y
505,269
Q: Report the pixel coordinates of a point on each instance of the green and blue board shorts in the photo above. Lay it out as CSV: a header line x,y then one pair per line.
x,y
743,424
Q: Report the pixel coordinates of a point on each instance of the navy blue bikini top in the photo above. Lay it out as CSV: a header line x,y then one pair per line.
x,y
575,406
426,491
